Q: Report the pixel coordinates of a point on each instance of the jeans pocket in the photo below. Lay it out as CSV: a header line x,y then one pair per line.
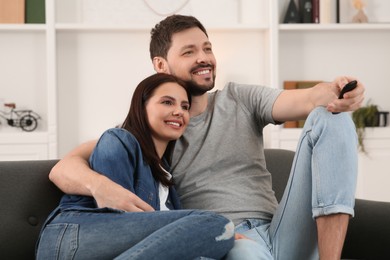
x,y
58,241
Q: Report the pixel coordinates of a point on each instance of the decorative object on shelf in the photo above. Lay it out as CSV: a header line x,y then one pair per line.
x,y
292,14
368,116
153,8
360,17
25,119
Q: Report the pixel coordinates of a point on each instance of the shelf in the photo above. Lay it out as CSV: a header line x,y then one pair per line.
x,y
22,27
334,27
135,28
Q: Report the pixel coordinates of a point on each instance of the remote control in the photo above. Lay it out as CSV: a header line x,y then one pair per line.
x,y
348,87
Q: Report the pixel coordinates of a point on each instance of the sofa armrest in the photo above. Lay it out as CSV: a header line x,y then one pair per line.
x,y
26,197
368,235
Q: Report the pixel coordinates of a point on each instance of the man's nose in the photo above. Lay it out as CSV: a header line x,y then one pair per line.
x,y
202,57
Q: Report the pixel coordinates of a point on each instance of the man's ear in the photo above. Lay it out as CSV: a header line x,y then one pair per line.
x,y
160,65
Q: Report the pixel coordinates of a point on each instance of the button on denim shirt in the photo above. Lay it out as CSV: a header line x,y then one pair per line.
x,y
118,156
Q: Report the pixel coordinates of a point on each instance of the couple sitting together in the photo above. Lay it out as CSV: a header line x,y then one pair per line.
x,y
121,200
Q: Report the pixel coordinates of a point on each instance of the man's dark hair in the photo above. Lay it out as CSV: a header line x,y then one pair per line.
x,y
161,34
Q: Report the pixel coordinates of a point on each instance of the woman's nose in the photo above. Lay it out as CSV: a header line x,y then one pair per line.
x,y
178,111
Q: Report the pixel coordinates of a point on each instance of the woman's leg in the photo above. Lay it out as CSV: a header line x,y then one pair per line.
x,y
176,234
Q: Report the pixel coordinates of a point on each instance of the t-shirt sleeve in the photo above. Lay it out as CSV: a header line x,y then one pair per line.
x,y
257,100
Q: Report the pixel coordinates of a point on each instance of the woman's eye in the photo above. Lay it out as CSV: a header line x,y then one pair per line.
x,y
186,107
167,102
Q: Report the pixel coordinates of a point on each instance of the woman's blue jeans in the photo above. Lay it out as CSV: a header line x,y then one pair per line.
x,y
322,182
108,234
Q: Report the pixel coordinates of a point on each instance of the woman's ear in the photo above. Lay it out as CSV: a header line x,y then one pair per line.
x,y
160,65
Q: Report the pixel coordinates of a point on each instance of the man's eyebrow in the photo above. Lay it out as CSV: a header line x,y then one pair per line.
x,y
190,46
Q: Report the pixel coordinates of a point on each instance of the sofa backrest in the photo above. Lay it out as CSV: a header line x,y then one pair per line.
x,y
26,197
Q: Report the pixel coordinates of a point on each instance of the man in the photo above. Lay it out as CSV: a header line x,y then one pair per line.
x,y
219,163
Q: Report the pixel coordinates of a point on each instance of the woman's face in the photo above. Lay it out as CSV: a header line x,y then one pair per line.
x,y
168,112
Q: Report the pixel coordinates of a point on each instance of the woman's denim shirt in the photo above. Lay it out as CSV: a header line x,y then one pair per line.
x,y
118,156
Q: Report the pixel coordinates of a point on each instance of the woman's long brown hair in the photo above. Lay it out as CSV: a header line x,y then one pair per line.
x,y
136,123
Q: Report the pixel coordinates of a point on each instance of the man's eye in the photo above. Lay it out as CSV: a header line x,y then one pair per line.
x,y
187,53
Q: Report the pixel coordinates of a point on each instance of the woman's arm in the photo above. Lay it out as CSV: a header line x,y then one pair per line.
x,y
73,175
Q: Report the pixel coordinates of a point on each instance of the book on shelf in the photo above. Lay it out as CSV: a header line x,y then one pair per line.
x,y
288,85
316,11
306,11
328,11
35,11
12,11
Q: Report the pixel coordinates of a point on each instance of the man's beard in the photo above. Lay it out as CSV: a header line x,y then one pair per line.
x,y
198,90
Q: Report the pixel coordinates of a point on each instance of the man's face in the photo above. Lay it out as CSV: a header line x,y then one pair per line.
x,y
191,59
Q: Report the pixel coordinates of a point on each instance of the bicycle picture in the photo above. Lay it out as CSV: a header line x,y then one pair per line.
x,y
25,119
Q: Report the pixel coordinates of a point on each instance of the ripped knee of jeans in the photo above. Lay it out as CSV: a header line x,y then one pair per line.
x,y
228,232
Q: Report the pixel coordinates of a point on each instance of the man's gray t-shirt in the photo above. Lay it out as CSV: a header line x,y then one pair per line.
x,y
219,164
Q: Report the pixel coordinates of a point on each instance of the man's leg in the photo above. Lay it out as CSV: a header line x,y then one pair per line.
x,y
321,186
331,235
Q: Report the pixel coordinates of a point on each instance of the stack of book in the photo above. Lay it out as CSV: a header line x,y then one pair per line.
x,y
22,11
313,11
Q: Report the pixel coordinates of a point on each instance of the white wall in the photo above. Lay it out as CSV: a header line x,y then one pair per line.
x,y
98,70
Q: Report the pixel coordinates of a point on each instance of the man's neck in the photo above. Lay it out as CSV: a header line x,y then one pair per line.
x,y
198,104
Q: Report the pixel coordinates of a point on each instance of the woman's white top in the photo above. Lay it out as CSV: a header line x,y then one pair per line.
x,y
163,192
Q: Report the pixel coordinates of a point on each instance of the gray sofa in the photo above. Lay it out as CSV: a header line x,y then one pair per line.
x,y
27,197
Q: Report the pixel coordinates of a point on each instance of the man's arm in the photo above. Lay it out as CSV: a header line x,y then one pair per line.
x,y
298,103
73,175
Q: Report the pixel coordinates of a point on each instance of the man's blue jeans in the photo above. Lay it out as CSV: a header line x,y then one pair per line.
x,y
322,182
108,234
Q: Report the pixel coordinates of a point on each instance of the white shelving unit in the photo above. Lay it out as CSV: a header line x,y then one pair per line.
x,y
28,59
324,51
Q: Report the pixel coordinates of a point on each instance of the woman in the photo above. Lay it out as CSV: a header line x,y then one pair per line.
x,y
136,156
